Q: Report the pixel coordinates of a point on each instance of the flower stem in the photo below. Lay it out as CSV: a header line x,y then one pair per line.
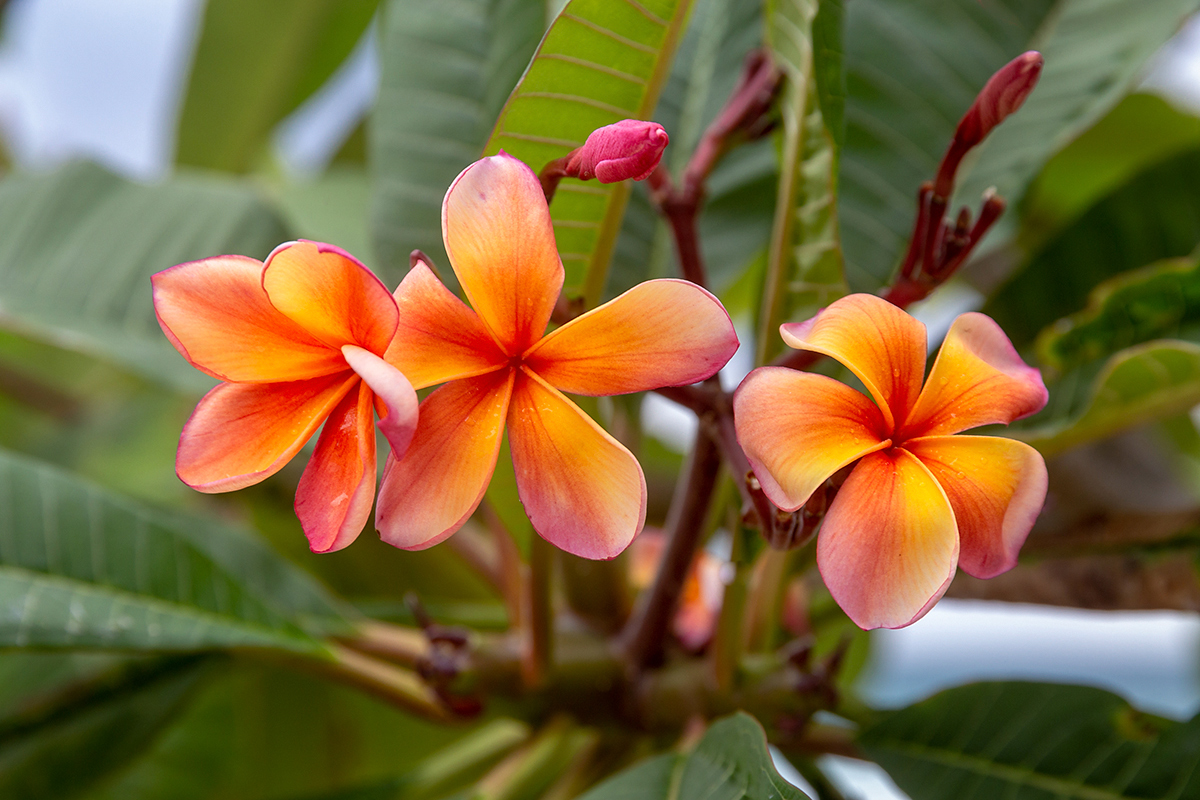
x,y
539,651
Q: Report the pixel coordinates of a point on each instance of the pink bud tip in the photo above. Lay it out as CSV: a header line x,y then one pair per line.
x,y
1002,95
627,149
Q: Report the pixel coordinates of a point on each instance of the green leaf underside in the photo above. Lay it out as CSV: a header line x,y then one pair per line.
x,y
1022,741
257,61
80,567
447,68
78,247
731,762
804,261
601,61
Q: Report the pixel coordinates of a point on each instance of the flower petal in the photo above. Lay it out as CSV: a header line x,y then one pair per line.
x,y
326,291
241,433
218,317
878,342
398,415
798,429
888,546
498,234
337,489
659,333
996,488
977,379
583,491
429,493
439,338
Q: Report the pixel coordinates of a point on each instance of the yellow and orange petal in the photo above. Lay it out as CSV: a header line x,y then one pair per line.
x,y
242,433
881,344
996,488
889,545
439,338
798,429
337,489
500,240
583,491
329,294
977,379
659,333
218,317
431,491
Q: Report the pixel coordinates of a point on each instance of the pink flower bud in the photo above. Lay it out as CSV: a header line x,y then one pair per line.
x,y
627,149
1002,95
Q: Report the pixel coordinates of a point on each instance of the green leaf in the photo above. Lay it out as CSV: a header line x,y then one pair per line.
x,y
447,68
78,247
600,62
914,67
257,61
1155,215
731,762
804,262
1030,741
72,740
81,567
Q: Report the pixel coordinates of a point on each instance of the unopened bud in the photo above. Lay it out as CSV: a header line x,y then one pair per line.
x,y
1002,95
627,149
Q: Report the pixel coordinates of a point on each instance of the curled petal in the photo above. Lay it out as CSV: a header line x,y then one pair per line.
x,y
798,429
438,339
241,433
659,333
326,291
498,234
878,342
888,546
996,488
218,317
393,393
430,492
977,379
337,489
583,491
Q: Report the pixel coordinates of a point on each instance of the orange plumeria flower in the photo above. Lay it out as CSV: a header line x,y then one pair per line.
x,y
297,341
700,598
583,491
919,500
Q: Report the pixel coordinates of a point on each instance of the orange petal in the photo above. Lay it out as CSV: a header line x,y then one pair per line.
x,y
438,339
241,433
878,342
888,546
500,240
429,493
218,317
326,291
659,333
798,429
977,379
996,488
398,401
337,489
583,491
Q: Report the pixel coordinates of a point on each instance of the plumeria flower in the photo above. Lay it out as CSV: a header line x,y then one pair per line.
x,y
583,491
919,500
700,598
297,341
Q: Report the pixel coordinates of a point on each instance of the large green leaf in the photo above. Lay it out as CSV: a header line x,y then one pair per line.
x,y
78,247
804,262
257,60
1155,215
447,69
600,62
80,567
1030,741
914,66
731,762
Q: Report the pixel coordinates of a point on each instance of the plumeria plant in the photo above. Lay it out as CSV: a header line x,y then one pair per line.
x,y
428,534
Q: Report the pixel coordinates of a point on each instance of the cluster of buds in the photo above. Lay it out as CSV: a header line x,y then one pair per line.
x,y
626,150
